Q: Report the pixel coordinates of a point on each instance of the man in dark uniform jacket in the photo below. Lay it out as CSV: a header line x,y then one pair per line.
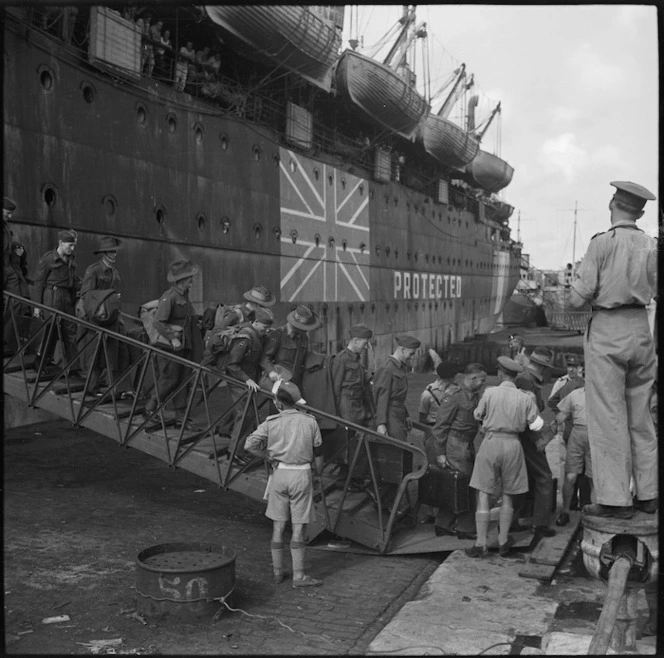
x,y
391,388
534,444
243,363
175,320
452,439
102,275
351,384
287,346
220,316
56,285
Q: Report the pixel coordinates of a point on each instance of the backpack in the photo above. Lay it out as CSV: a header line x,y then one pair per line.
x,y
217,346
146,314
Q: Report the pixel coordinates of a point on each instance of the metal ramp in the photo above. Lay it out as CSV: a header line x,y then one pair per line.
x,y
382,518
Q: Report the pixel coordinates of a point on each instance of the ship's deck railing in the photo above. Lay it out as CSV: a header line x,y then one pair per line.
x,y
200,385
255,104
570,320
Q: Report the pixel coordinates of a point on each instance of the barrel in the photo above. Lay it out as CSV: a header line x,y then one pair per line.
x,y
184,581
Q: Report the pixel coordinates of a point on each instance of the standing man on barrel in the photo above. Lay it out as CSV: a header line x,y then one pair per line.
x,y
56,285
391,388
618,277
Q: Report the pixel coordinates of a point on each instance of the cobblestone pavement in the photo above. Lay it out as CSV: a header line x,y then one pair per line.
x,y
78,510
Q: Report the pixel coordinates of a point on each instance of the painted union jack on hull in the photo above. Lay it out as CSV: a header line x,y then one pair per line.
x,y
324,232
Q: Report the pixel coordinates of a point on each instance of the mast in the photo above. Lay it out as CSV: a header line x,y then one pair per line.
x,y
574,241
407,19
482,131
453,97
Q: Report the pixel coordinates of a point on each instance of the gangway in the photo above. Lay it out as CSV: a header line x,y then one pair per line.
x,y
382,518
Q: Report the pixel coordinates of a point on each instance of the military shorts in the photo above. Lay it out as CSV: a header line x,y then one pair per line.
x,y
290,496
500,467
578,452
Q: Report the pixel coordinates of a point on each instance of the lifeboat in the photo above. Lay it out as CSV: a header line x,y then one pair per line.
x,y
489,172
302,39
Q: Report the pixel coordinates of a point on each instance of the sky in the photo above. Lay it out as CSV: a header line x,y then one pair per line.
x,y
578,87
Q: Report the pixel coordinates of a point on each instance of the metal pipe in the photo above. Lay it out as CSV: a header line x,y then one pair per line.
x,y
616,587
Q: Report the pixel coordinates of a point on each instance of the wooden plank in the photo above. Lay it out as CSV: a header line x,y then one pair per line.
x,y
550,550
539,571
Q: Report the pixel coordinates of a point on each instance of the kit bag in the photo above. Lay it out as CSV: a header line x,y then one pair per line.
x,y
217,346
146,314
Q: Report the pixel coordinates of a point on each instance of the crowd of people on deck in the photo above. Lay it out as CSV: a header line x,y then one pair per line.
x,y
605,415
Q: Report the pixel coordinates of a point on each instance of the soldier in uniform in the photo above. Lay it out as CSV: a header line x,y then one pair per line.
x,y
452,437
618,277
175,320
562,387
222,316
287,346
540,477
243,363
102,275
517,348
291,441
391,388
500,467
434,392
351,385
56,285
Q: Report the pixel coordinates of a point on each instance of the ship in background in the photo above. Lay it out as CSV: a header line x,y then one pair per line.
x,y
275,170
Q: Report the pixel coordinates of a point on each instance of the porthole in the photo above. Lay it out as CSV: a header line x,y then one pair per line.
x,y
343,183
109,203
363,247
198,132
258,230
256,150
172,122
292,165
377,250
141,114
49,194
276,159
330,179
387,251
426,257
46,77
224,141
416,256
408,255
89,92
361,189
225,223
293,236
276,231
317,239
396,253
200,221
316,173
331,242
160,214
344,244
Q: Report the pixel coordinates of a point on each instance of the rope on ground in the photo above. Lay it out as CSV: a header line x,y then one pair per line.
x,y
222,600
497,644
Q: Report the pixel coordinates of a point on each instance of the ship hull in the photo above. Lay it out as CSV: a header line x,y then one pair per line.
x,y
173,179
448,143
379,93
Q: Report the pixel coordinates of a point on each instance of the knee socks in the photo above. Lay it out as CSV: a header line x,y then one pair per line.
x,y
297,555
277,549
504,522
482,524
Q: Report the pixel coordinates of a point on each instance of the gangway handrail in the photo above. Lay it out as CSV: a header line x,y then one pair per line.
x,y
198,378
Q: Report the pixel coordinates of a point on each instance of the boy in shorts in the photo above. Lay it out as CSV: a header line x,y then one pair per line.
x,y
504,412
290,441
